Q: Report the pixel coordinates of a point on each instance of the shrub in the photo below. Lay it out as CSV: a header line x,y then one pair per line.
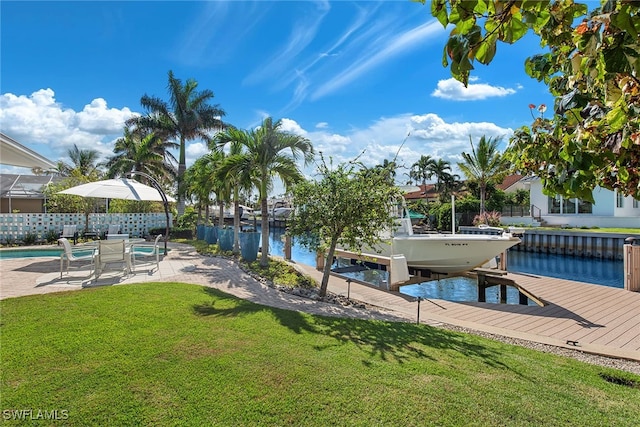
x,y
174,233
29,238
51,236
490,218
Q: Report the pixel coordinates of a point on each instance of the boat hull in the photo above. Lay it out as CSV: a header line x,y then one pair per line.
x,y
444,253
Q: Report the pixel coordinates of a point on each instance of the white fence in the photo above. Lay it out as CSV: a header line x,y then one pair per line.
x,y
14,227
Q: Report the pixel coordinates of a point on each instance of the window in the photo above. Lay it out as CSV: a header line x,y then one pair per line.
x,y
584,207
619,200
554,205
569,206
635,203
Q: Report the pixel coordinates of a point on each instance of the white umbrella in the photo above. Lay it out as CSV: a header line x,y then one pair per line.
x,y
121,188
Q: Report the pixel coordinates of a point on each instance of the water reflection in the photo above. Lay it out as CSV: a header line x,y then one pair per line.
x,y
589,270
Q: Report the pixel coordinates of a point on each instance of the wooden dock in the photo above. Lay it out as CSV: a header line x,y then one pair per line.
x,y
592,318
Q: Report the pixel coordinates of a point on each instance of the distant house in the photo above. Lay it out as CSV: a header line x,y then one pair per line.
x,y
513,183
426,192
610,209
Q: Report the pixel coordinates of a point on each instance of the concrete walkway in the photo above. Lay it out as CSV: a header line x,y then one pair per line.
x,y
28,276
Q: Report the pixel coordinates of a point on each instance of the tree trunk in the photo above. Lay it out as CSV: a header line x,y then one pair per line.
x,y
482,196
264,256
236,226
221,214
181,203
327,267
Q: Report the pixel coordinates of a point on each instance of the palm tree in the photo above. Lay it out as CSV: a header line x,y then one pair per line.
x,y
271,152
442,171
485,165
83,163
188,115
236,170
200,180
421,171
140,151
61,169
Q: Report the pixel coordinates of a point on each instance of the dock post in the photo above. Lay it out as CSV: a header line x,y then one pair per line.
x,y
482,288
632,264
503,261
320,261
287,247
503,294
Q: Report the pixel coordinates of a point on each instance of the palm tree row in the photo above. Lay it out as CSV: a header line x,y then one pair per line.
x,y
255,158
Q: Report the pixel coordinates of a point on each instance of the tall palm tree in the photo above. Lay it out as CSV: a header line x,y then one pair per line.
x,y
143,151
188,115
271,152
484,165
421,171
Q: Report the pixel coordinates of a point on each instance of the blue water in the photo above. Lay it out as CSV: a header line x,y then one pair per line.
x,y
28,253
588,270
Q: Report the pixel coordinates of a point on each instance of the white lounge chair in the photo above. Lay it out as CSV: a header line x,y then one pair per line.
x,y
75,254
112,252
70,232
142,250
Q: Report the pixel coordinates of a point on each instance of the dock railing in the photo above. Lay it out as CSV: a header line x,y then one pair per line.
x,y
632,264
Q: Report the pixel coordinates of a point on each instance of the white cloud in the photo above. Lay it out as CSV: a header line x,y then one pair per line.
x,y
382,48
39,119
322,125
195,150
454,90
406,136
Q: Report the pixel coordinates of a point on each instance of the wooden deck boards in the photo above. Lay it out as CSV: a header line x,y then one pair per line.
x,y
601,319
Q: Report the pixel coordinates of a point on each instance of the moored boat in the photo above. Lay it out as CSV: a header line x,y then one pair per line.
x,y
439,252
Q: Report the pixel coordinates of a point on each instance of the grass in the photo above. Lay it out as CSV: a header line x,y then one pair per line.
x,y
179,354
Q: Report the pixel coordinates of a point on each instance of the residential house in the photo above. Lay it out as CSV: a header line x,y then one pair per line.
x,y
610,209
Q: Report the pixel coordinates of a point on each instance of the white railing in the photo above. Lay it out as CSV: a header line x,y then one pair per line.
x,y
15,227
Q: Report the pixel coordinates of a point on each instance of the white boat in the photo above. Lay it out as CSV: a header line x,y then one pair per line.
x,y
245,212
439,252
281,213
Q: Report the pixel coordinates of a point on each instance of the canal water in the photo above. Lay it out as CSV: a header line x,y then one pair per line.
x,y
588,270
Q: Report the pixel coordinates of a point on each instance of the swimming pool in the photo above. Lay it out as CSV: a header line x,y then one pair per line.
x,y
43,252
30,253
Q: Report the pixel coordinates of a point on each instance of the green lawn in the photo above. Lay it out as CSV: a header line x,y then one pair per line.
x,y
180,354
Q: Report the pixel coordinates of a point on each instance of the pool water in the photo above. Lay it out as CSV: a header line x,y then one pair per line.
x,y
29,253
49,252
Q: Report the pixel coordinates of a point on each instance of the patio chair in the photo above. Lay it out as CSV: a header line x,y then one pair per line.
x,y
75,254
112,252
145,250
70,232
113,229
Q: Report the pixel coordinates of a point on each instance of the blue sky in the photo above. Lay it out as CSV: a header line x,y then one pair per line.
x,y
352,76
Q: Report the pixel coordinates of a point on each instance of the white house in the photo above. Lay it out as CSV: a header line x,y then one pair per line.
x,y
610,209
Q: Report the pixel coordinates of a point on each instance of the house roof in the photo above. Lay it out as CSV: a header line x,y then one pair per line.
x,y
509,181
424,191
13,153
